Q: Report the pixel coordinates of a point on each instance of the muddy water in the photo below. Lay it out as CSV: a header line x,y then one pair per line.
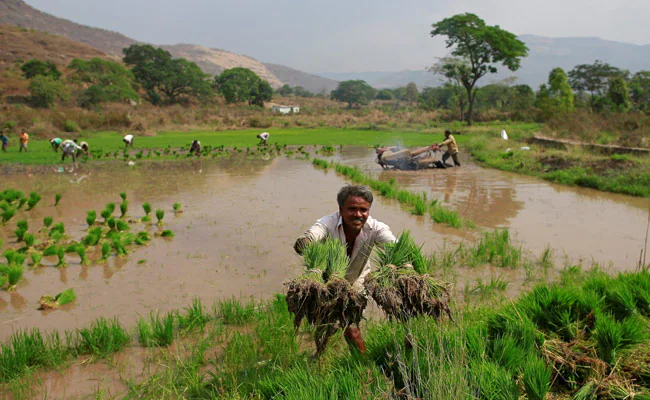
x,y
580,224
241,217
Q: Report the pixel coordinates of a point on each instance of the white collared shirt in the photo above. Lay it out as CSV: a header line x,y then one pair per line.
x,y
373,232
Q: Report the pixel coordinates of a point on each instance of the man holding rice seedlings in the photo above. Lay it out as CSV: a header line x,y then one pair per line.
x,y
353,226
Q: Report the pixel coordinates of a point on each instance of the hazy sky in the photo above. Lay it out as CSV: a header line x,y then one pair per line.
x,y
346,35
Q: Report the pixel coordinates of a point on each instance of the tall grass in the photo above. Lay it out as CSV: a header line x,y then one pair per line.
x,y
157,331
103,337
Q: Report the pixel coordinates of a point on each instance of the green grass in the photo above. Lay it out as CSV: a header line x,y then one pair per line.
x,y
102,338
157,331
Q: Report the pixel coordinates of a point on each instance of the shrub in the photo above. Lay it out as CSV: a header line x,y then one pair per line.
x,y
70,126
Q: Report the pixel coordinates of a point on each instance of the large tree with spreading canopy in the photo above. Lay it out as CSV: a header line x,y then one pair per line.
x,y
481,47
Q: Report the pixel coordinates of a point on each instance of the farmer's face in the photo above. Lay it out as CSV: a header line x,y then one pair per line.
x,y
355,212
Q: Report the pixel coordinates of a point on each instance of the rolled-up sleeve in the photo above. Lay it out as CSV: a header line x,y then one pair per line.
x,y
317,232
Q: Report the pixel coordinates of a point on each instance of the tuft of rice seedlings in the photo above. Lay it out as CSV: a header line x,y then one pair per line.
x,y
177,208
419,206
29,239
8,212
47,221
195,316
123,196
27,350
80,249
546,259
122,226
160,214
91,217
33,199
14,272
56,250
124,207
536,378
119,245
158,331
57,229
167,233
102,338
22,224
20,234
106,250
234,312
10,255
57,199
93,237
36,258
111,224
106,214
142,238
147,210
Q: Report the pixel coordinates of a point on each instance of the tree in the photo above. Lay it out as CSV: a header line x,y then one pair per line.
x,y
557,96
619,94
103,81
432,98
354,92
523,97
285,90
46,90
300,91
384,94
33,68
481,46
640,90
160,75
451,68
241,84
411,94
593,79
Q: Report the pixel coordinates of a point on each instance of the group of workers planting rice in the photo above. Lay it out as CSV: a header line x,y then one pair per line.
x,y
334,290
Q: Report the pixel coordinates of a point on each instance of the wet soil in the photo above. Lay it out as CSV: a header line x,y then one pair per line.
x,y
241,217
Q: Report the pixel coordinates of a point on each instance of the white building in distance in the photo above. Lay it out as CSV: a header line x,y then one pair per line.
x,y
285,109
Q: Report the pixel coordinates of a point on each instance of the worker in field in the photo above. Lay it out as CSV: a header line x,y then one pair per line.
x,y
5,141
84,147
195,148
55,143
263,137
70,148
128,140
24,139
353,226
452,149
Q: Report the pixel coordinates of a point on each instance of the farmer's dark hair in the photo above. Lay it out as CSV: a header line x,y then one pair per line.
x,y
353,191
447,132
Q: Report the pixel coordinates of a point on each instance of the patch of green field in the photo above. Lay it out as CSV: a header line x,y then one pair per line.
x,y
40,151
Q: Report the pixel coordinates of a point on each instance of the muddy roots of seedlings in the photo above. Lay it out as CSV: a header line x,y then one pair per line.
x,y
327,307
402,293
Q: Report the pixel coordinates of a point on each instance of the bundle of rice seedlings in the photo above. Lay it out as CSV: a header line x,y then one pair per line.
x,y
322,295
122,225
29,239
53,302
160,214
36,258
142,238
123,196
8,211
106,250
400,289
56,250
167,233
47,221
13,273
57,199
93,236
147,210
177,208
124,207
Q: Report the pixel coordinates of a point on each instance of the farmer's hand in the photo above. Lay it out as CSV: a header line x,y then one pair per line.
x,y
300,244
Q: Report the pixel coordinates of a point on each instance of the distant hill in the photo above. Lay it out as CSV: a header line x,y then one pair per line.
x,y
544,55
293,77
212,61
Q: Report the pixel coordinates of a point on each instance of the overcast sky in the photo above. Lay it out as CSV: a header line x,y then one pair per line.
x,y
346,35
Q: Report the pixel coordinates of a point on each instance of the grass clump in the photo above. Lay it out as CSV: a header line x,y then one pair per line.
x,y
167,233
177,207
158,331
147,210
91,217
103,337
124,208
57,199
33,200
47,221
36,257
160,214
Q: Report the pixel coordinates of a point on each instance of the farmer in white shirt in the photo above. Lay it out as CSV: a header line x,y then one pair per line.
x,y
263,137
70,148
353,226
128,140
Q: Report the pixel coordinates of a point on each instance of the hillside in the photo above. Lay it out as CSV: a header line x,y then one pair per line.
x,y
212,61
544,55
19,44
293,77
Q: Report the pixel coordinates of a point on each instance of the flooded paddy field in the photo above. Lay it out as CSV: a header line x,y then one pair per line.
x,y
241,217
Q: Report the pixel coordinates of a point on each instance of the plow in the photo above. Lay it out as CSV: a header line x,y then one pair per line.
x,y
409,160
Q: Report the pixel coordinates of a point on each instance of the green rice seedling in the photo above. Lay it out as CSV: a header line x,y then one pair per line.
x,y
91,217
111,223
497,284
36,258
60,254
27,350
160,214
14,272
442,215
546,259
1,243
102,338
22,224
65,297
234,312
122,226
19,258
195,316
57,199
57,228
33,199
123,196
9,254
142,238
8,212
110,207
53,302
93,236
609,338
80,249
167,233
106,250
419,206
124,207
20,234
177,208
29,239
492,381
162,329
320,163
118,245
147,208
537,378
47,221
106,214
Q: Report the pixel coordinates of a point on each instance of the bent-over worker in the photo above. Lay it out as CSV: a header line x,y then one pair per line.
x,y
70,148
353,226
452,149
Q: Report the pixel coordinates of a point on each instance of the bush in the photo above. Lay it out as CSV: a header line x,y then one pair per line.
x,y
70,126
45,91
